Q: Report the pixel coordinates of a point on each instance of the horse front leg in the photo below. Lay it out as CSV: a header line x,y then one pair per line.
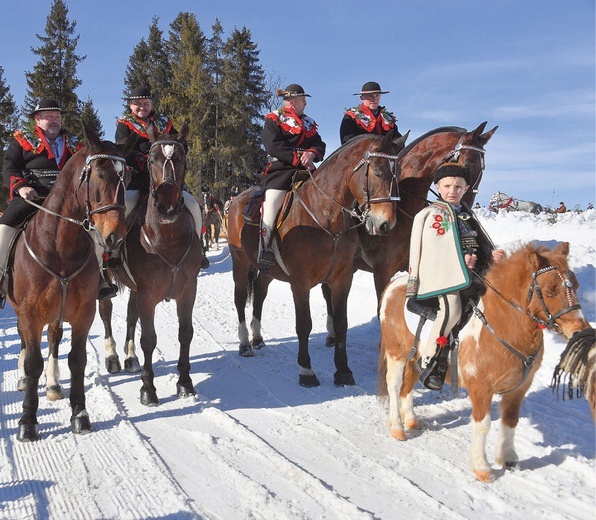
x,y
77,362
306,377
481,420
112,361
53,389
184,305
506,455
32,366
243,286
148,343
261,288
343,375
131,361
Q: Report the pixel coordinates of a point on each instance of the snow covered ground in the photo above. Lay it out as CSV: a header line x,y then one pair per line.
x,y
253,444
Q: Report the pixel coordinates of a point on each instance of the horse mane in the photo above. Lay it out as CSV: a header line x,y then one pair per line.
x,y
440,130
352,142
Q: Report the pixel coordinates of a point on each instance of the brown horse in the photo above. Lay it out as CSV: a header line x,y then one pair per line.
x,y
500,349
55,274
163,254
316,241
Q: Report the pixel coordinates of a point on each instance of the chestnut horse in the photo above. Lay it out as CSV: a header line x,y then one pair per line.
x,y
163,254
500,349
55,274
316,242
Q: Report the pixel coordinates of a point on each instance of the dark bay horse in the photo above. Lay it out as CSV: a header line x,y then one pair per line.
x,y
212,220
500,349
55,274
316,242
163,254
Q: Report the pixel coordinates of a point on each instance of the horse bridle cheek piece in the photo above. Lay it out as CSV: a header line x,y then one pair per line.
x,y
168,148
393,188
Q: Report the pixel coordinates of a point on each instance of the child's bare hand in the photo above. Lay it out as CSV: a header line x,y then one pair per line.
x,y
498,255
470,260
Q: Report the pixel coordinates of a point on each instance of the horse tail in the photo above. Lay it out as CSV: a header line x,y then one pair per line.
x,y
577,367
382,381
250,284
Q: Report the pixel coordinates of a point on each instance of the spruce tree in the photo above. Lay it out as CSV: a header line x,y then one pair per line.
x,y
54,75
90,117
242,101
188,97
8,120
136,74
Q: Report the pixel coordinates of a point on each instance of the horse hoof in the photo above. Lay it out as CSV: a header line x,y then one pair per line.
x,y
344,379
258,344
185,391
54,393
21,384
113,364
329,342
400,435
81,423
484,476
413,424
246,351
149,397
308,380
28,432
132,365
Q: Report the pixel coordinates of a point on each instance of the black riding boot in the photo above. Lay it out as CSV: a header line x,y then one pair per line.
x,y
433,376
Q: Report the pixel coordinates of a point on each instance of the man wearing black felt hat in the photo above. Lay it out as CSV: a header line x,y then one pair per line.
x,y
369,117
31,163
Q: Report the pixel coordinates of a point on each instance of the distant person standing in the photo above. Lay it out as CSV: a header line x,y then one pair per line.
x,y
369,117
590,206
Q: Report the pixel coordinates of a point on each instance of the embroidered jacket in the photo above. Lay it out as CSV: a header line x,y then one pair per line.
x,y
361,120
286,136
437,264
30,150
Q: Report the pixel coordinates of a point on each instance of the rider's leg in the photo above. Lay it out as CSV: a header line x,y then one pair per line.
x,y
6,235
271,206
130,200
195,211
448,315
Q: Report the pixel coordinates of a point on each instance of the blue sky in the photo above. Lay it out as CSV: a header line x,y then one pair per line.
x,y
525,65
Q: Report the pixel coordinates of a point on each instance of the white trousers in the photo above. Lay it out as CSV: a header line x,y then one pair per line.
x,y
449,313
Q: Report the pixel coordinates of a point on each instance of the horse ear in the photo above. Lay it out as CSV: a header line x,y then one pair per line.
x,y
484,138
400,142
91,139
152,132
563,249
476,133
183,132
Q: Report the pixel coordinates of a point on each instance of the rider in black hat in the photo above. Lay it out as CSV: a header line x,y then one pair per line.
x,y
31,163
369,117
292,143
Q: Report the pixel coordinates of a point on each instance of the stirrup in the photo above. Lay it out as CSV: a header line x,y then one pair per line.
x,y
433,376
266,260
106,290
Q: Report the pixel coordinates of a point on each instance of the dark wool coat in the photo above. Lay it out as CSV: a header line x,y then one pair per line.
x,y
360,120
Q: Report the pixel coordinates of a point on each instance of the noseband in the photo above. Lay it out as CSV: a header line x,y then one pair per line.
x,y
168,148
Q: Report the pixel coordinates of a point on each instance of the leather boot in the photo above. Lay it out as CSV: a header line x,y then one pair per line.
x,y
106,288
433,375
6,235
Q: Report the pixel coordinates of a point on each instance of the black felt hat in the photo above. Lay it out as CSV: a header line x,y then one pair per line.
x,y
45,105
371,87
293,90
451,170
139,93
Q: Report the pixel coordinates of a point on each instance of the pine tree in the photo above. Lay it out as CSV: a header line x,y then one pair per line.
x,y
187,99
136,74
90,117
8,120
242,101
54,75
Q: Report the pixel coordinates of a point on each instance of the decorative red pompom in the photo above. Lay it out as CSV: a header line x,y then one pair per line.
x,y
105,256
442,341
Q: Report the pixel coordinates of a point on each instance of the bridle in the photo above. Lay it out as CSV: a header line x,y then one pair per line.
x,y
393,195
168,175
549,323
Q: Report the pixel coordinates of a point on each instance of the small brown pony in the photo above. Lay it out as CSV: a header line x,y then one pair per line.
x,y
316,242
164,254
500,348
55,274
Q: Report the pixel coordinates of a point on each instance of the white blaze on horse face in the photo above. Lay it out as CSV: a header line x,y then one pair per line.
x,y
168,150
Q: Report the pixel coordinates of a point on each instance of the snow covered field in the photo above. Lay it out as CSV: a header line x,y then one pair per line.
x,y
253,444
